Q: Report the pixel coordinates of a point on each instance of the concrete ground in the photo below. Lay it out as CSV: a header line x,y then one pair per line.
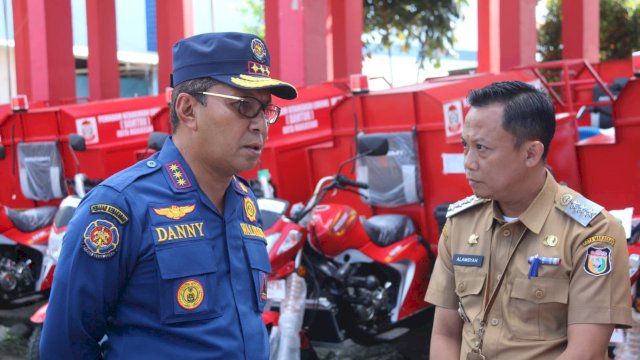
x,y
15,329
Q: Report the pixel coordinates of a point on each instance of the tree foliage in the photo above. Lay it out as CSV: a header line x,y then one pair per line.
x,y
255,10
425,24
619,30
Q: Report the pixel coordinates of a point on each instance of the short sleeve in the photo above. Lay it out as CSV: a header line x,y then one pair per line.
x,y
599,290
441,291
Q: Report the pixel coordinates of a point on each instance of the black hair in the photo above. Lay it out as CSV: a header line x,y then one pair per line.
x,y
192,87
528,112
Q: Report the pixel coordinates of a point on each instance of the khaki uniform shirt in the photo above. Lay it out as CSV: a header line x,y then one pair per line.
x,y
529,317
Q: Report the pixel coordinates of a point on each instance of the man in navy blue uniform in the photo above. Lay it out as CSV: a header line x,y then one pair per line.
x,y
168,258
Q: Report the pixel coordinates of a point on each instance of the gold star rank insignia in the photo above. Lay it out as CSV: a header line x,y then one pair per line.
x,y
177,175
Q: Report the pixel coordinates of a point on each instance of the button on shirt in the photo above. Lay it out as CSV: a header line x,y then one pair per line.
x,y
530,316
149,261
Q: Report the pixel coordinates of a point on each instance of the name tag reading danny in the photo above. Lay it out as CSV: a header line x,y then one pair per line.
x,y
468,260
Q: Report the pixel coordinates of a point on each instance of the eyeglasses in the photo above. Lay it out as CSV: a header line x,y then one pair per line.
x,y
250,107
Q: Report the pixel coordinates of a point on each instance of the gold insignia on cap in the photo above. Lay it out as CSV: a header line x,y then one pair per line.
x,y
250,209
566,199
256,82
550,240
259,50
473,239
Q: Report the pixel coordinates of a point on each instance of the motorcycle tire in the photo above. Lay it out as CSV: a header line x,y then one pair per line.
x,y
33,346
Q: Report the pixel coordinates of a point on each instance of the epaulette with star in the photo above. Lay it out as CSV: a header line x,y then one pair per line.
x,y
578,208
464,204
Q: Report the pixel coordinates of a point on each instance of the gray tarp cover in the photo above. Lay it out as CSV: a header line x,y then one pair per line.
x,y
41,173
394,179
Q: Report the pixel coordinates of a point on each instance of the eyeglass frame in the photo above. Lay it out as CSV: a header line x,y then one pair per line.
x,y
262,109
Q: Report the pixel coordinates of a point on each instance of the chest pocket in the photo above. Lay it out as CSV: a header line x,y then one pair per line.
x,y
539,308
469,288
187,281
260,268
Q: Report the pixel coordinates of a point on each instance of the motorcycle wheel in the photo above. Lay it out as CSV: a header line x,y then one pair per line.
x,y
33,346
353,330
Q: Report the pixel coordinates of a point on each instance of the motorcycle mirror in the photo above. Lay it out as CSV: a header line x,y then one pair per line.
x,y
2,153
156,140
77,142
372,144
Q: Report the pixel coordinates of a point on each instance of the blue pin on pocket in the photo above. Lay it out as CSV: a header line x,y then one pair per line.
x,y
536,261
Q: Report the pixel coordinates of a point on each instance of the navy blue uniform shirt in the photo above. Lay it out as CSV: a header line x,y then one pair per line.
x,y
149,261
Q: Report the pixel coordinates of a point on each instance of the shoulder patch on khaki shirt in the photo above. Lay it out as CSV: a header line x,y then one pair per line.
x,y
578,207
464,204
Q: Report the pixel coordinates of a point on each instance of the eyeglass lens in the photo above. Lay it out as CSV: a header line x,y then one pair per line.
x,y
250,107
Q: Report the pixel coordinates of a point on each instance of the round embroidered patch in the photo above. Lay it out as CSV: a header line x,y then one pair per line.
x,y
101,239
259,50
250,209
190,294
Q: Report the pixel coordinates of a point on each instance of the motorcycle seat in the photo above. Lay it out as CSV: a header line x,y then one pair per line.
x,y
385,230
31,219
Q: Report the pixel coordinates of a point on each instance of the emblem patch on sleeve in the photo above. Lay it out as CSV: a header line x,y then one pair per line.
x,y
598,261
190,294
101,239
250,209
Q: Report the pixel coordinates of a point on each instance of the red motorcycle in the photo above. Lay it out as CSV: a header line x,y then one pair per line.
x,y
23,243
364,277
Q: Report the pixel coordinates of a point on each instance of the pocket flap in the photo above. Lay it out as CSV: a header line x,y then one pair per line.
x,y
541,290
185,260
257,254
469,285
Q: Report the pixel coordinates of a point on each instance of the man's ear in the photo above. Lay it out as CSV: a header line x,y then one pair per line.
x,y
535,149
186,110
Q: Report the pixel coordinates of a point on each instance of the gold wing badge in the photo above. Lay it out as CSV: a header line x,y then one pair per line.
x,y
175,212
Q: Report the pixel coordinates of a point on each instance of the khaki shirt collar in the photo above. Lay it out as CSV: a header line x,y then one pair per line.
x,y
536,214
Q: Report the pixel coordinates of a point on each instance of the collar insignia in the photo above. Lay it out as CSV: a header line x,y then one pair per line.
x,y
550,241
177,175
240,185
473,239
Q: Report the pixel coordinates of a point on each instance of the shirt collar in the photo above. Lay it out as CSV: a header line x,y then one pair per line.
x,y
536,214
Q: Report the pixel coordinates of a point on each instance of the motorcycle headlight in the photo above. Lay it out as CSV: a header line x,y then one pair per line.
x,y
292,239
271,240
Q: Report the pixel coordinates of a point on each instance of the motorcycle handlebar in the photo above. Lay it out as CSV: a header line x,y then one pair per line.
x,y
343,180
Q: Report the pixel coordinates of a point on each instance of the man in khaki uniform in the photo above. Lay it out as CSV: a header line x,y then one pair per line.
x,y
526,269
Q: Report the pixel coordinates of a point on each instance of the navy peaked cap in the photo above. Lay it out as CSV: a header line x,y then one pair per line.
x,y
236,59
